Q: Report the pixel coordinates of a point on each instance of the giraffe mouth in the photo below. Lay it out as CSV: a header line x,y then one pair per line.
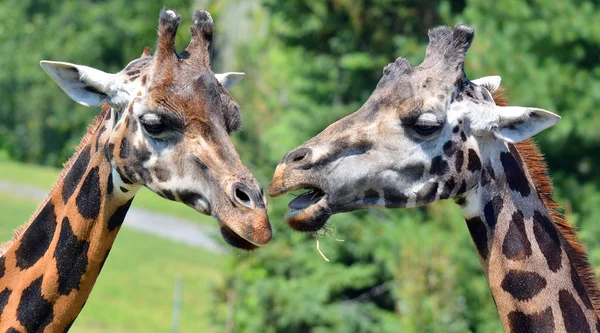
x,y
308,211
304,200
235,240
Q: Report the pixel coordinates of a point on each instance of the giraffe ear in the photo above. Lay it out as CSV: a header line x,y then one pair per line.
x,y
515,123
229,79
85,85
491,83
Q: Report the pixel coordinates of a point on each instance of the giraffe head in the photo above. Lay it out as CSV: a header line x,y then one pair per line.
x,y
168,129
417,139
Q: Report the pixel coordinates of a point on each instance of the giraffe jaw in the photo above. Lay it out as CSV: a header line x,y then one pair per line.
x,y
235,240
308,211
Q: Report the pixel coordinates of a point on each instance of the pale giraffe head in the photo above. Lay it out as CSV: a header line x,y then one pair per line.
x,y
417,139
172,117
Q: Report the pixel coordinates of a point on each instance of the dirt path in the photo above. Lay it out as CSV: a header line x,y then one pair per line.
x,y
142,220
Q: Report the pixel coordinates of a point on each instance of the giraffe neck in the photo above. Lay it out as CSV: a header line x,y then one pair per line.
x,y
526,260
48,271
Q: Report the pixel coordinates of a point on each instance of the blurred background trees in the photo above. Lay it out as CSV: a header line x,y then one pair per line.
x,y
307,64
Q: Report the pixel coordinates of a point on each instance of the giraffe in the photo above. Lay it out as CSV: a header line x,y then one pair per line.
x,y
428,133
164,124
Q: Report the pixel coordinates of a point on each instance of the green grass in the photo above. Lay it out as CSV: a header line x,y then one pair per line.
x,y
44,177
134,293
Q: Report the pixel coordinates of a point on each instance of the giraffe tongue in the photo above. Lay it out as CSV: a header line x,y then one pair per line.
x,y
304,200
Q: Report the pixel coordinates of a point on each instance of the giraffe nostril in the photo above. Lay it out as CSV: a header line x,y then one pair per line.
x,y
298,155
299,158
242,196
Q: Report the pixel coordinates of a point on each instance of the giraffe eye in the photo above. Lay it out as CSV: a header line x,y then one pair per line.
x,y
426,129
153,124
153,129
425,125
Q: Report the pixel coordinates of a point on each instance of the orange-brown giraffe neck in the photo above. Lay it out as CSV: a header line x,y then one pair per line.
x,y
49,270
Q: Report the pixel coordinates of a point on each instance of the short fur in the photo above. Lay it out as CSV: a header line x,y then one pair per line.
x,y
537,168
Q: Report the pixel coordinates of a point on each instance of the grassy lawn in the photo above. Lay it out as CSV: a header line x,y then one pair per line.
x,y
44,177
134,293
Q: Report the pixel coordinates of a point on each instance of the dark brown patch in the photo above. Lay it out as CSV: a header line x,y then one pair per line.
x,y
2,267
460,159
109,183
118,217
109,150
89,197
75,174
479,235
34,311
412,171
37,238
124,148
123,189
142,154
491,211
514,175
167,194
474,163
516,246
394,198
427,193
523,285
485,177
439,166
463,187
542,322
448,187
162,174
450,148
573,316
189,198
4,295
71,256
548,240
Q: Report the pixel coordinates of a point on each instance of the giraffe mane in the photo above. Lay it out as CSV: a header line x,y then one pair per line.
x,y
534,161
66,167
